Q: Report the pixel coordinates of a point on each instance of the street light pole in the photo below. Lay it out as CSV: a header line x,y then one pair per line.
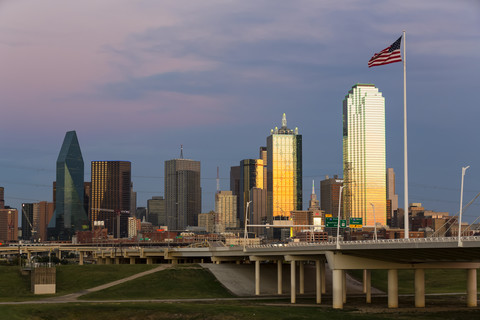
x,y
461,208
246,221
374,222
338,216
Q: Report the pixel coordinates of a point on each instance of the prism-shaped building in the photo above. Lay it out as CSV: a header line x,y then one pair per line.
x,y
70,215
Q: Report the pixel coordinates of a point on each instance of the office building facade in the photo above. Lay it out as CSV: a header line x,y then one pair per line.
x,y
330,195
156,211
251,176
225,211
111,195
364,156
284,171
183,194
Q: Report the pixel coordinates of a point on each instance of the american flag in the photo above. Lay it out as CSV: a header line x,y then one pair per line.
x,y
388,55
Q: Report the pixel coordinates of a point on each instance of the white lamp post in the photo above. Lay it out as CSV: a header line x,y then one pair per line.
x,y
461,208
246,221
338,216
374,222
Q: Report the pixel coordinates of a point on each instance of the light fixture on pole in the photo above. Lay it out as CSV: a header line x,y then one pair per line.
x,y
461,208
246,221
374,222
338,216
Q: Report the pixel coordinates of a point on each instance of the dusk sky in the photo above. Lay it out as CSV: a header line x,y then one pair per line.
x,y
136,79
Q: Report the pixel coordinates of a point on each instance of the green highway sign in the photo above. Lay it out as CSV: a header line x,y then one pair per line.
x,y
356,222
333,223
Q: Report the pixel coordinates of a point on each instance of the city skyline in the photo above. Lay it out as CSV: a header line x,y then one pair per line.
x,y
137,80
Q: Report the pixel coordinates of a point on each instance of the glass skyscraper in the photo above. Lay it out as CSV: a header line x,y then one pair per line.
x,y
284,172
70,215
364,159
111,195
251,176
183,194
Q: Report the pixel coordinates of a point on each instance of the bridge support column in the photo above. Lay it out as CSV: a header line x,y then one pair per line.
x,y
364,281
279,276
132,260
108,260
367,285
257,277
117,260
337,288
324,276
100,261
419,288
293,287
344,283
318,286
29,255
471,287
149,260
80,258
393,288
301,269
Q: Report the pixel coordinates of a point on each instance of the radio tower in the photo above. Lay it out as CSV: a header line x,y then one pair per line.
x,y
218,180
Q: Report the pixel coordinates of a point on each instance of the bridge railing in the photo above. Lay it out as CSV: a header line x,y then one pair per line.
x,y
359,242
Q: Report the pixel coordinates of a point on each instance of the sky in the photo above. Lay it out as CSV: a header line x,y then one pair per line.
x,y
137,79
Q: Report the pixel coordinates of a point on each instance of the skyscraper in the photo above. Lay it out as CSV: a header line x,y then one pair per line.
x,y
330,195
2,199
8,224
225,211
156,211
27,221
392,197
70,214
183,194
364,159
111,195
35,219
284,171
251,176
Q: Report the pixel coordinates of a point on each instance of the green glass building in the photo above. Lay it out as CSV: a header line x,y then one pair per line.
x,y
70,215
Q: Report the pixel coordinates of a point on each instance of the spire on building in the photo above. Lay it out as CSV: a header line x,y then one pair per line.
x,y
218,179
314,204
284,121
181,151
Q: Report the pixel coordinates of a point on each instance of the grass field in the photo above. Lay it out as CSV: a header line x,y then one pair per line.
x,y
70,278
436,280
214,311
171,283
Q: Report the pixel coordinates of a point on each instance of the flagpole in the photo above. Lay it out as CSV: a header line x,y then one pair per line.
x,y
405,156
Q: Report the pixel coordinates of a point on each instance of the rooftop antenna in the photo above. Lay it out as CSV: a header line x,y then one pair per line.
x,y
284,120
313,186
181,151
218,179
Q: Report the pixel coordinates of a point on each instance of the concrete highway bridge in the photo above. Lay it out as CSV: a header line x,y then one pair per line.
x,y
392,255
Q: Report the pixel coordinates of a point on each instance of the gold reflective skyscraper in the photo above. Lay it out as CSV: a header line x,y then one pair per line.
x,y
364,159
284,171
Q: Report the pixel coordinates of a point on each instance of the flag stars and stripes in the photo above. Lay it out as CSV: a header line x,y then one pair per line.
x,y
388,55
